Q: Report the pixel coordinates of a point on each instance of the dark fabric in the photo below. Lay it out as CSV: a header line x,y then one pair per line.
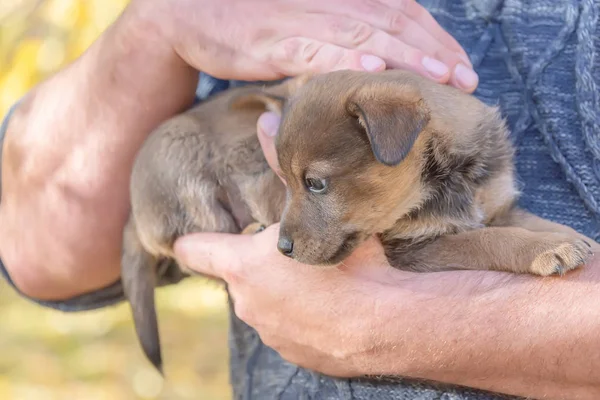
x,y
538,61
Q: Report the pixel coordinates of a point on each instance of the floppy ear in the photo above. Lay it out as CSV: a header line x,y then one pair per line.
x,y
392,118
258,97
272,98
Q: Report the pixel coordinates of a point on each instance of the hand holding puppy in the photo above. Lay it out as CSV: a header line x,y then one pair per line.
x,y
301,311
365,318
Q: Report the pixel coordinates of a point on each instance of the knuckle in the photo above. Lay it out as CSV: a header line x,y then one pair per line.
x,y
295,51
284,51
309,52
397,22
358,33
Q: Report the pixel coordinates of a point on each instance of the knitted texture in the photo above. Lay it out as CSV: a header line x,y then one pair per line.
x,y
536,60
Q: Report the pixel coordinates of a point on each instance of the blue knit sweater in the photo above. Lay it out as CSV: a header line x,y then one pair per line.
x,y
537,60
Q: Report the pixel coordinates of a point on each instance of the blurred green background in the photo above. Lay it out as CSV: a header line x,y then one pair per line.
x,y
46,354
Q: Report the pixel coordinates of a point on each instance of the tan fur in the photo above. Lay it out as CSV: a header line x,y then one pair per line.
x,y
423,166
458,221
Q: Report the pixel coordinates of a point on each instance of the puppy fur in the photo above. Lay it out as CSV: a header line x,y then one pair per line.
x,y
201,171
425,167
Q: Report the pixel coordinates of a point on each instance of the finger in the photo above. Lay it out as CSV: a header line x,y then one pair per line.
x,y
464,78
214,254
392,16
298,55
267,127
418,36
398,54
410,24
462,74
403,28
423,17
356,36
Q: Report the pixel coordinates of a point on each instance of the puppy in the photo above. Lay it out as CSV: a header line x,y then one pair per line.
x,y
425,167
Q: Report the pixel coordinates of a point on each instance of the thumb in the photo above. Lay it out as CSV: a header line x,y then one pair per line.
x,y
213,254
267,127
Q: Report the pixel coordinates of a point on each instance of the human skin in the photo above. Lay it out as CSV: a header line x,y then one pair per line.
x,y
70,145
514,334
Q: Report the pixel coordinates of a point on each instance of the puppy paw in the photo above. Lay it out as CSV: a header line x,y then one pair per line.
x,y
253,228
563,256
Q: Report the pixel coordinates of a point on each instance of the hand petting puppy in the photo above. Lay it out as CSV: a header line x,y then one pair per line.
x,y
272,39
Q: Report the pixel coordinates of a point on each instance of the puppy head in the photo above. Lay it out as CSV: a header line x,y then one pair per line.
x,y
345,149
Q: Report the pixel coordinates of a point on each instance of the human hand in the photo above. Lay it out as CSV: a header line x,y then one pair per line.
x,y
480,329
318,318
264,40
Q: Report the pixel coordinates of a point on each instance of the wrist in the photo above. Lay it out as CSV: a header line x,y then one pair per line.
x,y
491,331
413,316
135,60
392,321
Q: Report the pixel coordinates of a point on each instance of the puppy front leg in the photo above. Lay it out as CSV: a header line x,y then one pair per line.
x,y
517,217
253,228
510,249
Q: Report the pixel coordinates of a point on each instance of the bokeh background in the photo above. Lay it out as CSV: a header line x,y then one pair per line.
x,y
48,355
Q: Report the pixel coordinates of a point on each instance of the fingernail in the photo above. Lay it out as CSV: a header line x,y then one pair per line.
x,y
269,123
371,63
435,68
466,77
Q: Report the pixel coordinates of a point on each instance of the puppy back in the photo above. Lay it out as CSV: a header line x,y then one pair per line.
x,y
466,164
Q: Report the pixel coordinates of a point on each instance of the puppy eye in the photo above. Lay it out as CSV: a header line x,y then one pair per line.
x,y
316,185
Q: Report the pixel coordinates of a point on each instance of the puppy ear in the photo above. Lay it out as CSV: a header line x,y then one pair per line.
x,y
293,84
258,98
392,119
272,98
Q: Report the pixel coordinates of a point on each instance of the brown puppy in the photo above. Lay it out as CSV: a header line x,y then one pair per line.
x,y
424,166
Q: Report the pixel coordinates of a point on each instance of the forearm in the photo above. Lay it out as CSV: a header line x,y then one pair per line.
x,y
68,151
513,334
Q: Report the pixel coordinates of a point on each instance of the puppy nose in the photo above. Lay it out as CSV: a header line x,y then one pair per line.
x,y
285,246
